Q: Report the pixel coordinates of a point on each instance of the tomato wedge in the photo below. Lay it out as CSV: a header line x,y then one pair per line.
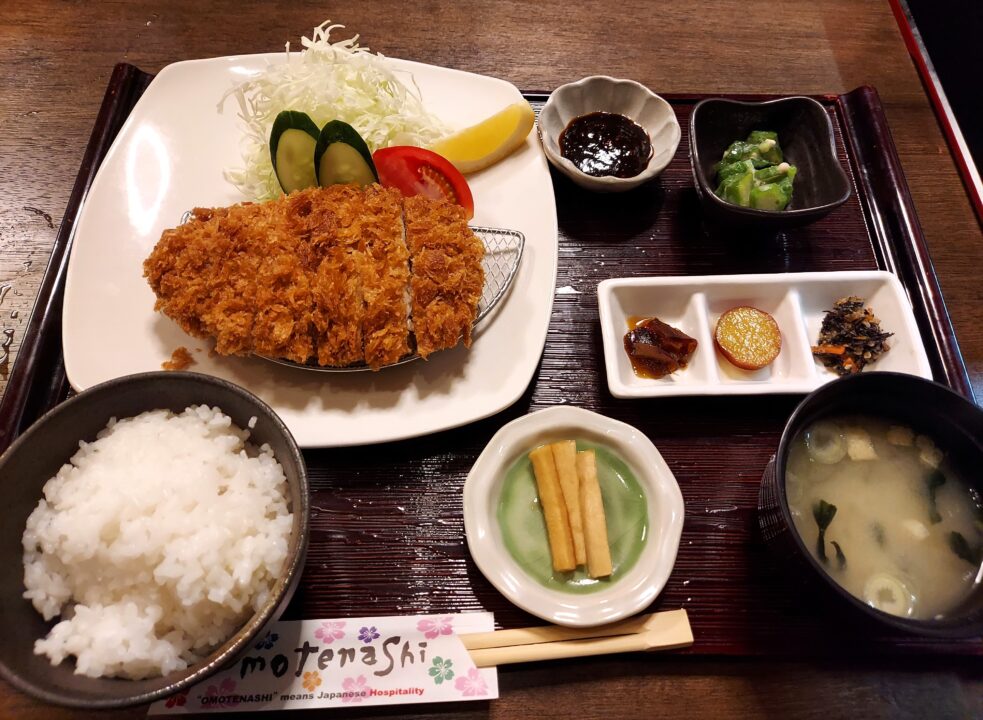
x,y
416,171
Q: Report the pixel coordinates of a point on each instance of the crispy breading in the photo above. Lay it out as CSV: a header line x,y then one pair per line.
x,y
331,228
385,275
281,287
187,272
447,277
322,275
240,275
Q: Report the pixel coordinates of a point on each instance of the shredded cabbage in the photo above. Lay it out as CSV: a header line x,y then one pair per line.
x,y
327,80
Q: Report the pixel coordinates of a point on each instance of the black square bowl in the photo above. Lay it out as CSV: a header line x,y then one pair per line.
x,y
806,136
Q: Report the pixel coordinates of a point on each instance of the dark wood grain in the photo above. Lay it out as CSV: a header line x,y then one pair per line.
x,y
38,380
56,58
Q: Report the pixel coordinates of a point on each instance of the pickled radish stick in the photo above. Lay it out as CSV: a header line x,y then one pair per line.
x,y
554,509
565,457
595,526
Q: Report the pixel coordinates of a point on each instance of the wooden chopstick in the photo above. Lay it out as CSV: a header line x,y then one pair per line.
x,y
656,631
552,633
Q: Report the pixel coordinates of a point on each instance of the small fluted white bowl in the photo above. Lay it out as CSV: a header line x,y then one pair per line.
x,y
600,93
641,584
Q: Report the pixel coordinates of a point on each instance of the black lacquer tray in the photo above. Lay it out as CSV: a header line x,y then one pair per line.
x,y
387,535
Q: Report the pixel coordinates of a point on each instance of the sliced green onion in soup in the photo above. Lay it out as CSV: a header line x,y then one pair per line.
x,y
825,442
888,594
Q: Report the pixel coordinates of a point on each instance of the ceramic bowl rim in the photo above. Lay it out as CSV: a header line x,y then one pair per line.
x,y
609,182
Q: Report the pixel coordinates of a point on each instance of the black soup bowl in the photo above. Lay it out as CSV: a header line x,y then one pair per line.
x,y
37,455
952,421
805,133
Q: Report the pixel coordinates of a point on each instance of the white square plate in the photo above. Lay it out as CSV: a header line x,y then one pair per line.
x,y
797,301
169,157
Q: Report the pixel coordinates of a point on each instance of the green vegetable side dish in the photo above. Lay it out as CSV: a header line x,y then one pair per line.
x,y
753,173
523,527
304,156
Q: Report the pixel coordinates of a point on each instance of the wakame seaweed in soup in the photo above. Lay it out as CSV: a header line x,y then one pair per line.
x,y
885,515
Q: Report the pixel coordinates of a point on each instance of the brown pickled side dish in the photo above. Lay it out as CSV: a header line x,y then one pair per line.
x,y
601,144
655,348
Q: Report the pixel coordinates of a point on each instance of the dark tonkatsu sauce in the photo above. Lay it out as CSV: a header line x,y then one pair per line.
x,y
606,144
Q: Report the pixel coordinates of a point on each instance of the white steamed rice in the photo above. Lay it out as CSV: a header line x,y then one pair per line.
x,y
155,543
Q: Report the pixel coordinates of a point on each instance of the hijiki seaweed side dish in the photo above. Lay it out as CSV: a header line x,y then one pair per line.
x,y
851,337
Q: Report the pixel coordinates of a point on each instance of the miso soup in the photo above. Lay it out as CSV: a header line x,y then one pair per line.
x,y
882,510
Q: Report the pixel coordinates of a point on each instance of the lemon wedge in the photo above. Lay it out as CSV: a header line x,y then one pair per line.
x,y
479,146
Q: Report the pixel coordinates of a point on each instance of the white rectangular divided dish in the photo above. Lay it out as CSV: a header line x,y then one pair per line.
x,y
797,301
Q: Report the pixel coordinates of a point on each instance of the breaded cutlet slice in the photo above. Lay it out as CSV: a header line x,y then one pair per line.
x,y
385,275
192,271
330,222
282,288
447,277
244,276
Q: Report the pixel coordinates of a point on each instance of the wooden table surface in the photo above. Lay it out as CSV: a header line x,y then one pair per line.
x,y
55,61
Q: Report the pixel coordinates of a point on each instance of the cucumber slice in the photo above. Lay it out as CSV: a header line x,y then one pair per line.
x,y
736,168
766,143
737,151
737,189
772,173
757,136
292,142
341,156
768,197
786,183
341,164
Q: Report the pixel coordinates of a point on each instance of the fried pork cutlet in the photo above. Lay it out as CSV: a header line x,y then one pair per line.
x,y
447,277
385,274
328,225
323,275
